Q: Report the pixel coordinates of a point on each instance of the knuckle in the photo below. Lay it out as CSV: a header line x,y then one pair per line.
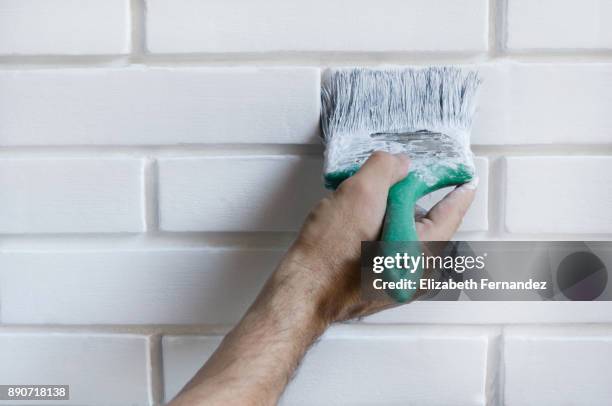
x,y
384,161
380,155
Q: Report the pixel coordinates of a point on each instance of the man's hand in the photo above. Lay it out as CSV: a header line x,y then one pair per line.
x,y
316,284
326,253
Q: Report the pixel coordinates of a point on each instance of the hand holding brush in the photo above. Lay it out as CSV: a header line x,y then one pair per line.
x,y
425,113
316,284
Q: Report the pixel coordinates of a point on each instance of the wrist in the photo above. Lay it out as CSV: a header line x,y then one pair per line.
x,y
294,298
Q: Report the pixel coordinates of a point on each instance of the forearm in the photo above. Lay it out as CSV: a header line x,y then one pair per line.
x,y
317,283
257,358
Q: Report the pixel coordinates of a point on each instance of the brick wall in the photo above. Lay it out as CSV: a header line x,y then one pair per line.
x,y
157,157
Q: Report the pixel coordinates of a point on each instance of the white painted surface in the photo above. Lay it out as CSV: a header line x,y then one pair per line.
x,y
545,103
535,103
276,25
559,24
193,286
180,286
558,366
148,106
238,193
559,194
82,195
371,365
64,27
182,356
221,106
100,369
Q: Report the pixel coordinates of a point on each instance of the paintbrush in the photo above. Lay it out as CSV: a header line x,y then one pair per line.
x,y
425,113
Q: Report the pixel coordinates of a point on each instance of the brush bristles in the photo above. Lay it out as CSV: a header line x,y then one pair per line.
x,y
357,103
398,100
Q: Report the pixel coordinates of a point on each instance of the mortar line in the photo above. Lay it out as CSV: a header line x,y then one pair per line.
x,y
500,33
492,369
88,243
154,151
229,241
491,195
152,331
140,55
496,195
155,370
492,26
314,149
543,150
501,372
145,330
32,62
555,55
138,31
150,194
492,208
357,328
304,59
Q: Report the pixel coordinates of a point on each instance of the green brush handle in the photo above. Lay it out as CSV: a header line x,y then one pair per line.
x,y
400,225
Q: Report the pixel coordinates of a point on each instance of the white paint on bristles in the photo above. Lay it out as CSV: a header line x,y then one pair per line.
x,y
423,112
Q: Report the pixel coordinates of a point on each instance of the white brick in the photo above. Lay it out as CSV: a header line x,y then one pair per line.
x,y
159,106
559,194
541,103
100,369
238,193
400,365
539,363
71,195
182,356
316,25
67,27
190,286
559,24
181,286
476,219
